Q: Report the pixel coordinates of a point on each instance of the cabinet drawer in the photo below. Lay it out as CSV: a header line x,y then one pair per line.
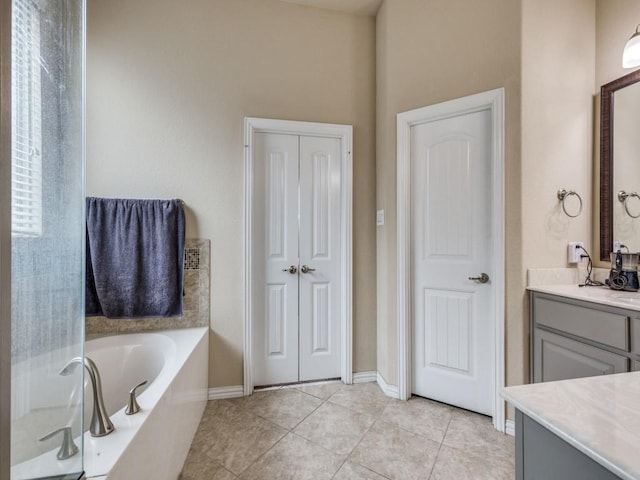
x,y
602,327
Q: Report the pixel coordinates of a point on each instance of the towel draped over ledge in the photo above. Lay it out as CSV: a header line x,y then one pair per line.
x,y
135,258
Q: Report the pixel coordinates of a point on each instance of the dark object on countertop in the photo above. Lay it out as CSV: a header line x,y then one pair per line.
x,y
135,258
624,271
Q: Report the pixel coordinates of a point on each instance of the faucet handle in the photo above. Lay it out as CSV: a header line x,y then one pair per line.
x,y
68,448
133,406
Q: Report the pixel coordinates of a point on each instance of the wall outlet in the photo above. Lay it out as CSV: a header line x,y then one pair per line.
x,y
380,217
574,252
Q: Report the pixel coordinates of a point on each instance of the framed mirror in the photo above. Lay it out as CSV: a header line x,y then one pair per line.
x,y
620,164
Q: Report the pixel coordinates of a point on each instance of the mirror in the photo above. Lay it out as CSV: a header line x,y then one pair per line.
x,y
620,186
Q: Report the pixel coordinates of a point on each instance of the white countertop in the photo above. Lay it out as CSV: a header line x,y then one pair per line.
x,y
599,416
601,295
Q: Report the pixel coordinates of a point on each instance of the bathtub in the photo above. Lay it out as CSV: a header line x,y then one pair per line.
x,y
154,442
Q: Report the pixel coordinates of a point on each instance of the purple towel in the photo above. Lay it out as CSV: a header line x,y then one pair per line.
x,y
135,258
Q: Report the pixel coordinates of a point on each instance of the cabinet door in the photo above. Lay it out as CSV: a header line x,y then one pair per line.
x,y
635,335
560,358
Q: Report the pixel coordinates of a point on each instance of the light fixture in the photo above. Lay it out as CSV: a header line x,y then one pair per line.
x,y
631,53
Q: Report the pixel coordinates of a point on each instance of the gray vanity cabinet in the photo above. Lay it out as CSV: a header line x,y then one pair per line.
x,y
572,339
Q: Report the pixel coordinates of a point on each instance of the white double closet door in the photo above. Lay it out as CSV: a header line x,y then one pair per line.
x,y
297,254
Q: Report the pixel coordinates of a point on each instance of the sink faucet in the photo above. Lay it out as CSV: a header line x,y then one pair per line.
x,y
100,423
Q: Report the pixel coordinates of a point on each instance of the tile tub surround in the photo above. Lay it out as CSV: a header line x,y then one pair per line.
x,y
197,280
337,431
600,295
598,416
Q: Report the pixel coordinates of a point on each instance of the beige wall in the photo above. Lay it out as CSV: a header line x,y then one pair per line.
x,y
558,67
169,84
429,51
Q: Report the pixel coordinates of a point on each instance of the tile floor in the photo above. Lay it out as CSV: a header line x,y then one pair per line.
x,y
335,431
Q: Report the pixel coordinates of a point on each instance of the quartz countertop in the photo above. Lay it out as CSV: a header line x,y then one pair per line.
x,y
601,295
599,416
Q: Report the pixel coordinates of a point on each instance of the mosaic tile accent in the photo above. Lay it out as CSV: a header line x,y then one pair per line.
x,y
195,304
191,258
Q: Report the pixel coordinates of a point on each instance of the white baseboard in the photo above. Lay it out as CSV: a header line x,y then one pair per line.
x,y
364,377
389,390
510,428
226,392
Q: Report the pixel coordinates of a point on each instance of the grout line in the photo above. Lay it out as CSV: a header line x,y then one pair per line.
x,y
435,460
310,413
357,445
264,453
339,468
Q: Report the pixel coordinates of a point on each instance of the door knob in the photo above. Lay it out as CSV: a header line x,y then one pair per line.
x,y
292,269
306,269
483,278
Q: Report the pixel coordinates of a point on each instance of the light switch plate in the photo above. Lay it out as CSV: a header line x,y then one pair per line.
x,y
380,217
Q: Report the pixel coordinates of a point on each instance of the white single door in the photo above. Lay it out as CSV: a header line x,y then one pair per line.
x,y
451,242
297,254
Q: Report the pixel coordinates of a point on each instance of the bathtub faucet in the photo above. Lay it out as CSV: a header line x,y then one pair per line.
x,y
100,423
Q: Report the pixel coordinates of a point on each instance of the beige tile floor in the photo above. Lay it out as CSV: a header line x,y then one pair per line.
x,y
335,431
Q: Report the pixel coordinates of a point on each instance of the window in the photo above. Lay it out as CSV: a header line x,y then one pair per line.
x,y
26,130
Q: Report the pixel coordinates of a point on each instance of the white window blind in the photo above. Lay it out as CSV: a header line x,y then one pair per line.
x,y
26,159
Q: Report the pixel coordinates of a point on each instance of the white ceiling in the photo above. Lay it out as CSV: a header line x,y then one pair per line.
x,y
359,7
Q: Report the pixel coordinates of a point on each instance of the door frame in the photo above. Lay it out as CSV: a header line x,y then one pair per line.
x,y
493,101
254,125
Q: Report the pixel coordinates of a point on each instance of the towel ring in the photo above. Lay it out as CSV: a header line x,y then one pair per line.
x,y
562,196
623,197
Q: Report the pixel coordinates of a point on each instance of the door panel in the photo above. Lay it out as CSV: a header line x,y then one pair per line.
x,y
447,200
276,320
451,241
447,323
274,290
320,167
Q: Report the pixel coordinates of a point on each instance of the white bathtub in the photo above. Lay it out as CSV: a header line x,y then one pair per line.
x,y
154,442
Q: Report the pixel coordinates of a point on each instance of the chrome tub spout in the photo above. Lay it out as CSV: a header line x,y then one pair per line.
x,y
100,423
